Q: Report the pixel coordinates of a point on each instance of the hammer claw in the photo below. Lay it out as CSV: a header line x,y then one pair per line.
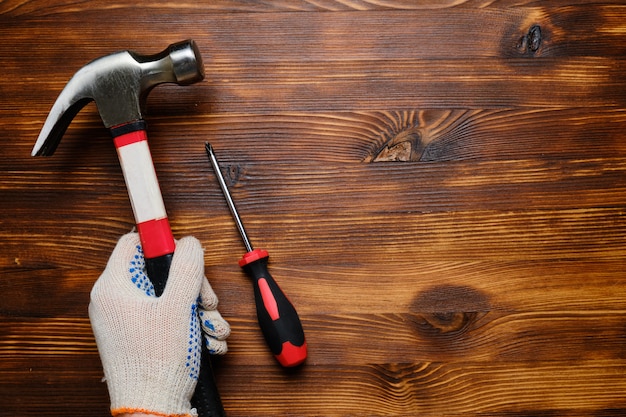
x,y
56,124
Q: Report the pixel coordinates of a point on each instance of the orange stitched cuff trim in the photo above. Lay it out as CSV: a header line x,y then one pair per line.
x,y
126,410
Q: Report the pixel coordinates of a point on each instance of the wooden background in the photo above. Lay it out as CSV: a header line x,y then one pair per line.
x,y
441,184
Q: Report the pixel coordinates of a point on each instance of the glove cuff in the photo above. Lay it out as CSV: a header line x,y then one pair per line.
x,y
151,390
126,410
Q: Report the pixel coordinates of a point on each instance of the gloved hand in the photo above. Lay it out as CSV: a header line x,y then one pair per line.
x,y
149,346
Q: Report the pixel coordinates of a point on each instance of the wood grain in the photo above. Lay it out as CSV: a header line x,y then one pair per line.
x,y
441,186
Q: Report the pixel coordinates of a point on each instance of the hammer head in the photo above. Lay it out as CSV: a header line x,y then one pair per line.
x,y
119,84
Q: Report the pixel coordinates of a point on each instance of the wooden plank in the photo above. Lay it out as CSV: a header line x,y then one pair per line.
x,y
393,389
440,389
565,388
340,287
400,84
478,235
408,135
311,187
471,334
407,58
44,8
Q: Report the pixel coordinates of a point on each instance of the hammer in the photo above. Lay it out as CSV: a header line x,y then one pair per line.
x,y
119,84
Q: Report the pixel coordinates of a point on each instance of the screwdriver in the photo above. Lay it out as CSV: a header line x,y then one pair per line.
x,y
277,317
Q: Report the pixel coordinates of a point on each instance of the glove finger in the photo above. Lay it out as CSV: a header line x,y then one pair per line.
x,y
124,270
186,271
214,325
208,298
216,347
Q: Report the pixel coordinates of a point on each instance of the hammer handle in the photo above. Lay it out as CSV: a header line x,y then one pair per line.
x,y
157,240
145,194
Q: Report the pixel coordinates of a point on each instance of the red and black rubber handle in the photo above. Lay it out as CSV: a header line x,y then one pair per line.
x,y
277,317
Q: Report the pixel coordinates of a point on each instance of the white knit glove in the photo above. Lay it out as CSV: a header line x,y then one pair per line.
x,y
149,346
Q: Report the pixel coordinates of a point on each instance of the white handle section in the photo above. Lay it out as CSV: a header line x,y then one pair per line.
x,y
141,181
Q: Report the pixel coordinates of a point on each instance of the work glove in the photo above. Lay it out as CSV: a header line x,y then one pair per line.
x,y
150,347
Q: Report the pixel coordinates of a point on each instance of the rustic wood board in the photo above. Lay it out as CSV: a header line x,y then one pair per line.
x,y
441,184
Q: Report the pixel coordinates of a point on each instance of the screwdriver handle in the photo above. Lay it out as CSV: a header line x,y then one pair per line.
x,y
277,317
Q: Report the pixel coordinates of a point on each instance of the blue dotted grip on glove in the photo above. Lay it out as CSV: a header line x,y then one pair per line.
x,y
195,338
138,273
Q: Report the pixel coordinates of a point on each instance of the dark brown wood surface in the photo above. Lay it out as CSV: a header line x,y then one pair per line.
x,y
441,186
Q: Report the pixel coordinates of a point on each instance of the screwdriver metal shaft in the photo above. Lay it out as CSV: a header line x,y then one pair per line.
x,y
229,199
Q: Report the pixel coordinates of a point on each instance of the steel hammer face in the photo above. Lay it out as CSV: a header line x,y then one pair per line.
x,y
119,84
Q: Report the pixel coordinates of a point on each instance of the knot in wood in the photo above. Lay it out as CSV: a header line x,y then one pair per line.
x,y
530,42
233,173
445,324
404,146
448,311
